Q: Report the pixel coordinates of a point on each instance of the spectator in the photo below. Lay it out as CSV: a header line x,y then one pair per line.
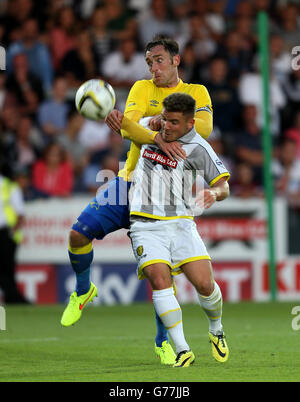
x,y
52,174
293,133
244,186
94,135
17,12
180,10
123,67
154,21
249,143
11,221
280,58
100,36
26,149
121,21
237,53
63,35
286,170
215,19
79,63
250,93
52,113
291,88
224,97
288,27
201,37
8,147
107,164
38,55
77,153
5,96
190,68
25,87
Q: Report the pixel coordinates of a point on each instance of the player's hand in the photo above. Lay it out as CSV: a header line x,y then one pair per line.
x,y
206,198
173,149
155,123
114,120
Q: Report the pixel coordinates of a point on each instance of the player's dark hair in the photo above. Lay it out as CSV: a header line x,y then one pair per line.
x,y
168,44
180,102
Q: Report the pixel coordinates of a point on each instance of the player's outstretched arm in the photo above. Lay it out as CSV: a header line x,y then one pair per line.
x,y
135,132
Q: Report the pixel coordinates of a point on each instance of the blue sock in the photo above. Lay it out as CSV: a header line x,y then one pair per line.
x,y
162,333
81,264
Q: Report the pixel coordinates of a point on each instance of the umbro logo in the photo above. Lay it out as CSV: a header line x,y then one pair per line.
x,y
154,103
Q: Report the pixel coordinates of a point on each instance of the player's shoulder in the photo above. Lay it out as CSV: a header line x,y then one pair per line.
x,y
198,91
200,144
194,87
143,84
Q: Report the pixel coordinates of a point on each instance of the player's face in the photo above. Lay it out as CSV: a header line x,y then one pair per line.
x,y
162,66
175,125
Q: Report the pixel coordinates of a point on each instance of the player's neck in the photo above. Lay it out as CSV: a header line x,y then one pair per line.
x,y
172,83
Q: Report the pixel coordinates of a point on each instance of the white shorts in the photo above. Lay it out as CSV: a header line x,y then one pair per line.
x,y
173,242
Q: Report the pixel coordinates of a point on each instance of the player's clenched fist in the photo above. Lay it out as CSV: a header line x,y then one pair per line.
x,y
206,198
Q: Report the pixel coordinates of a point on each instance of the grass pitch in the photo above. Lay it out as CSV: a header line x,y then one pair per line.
x,y
115,344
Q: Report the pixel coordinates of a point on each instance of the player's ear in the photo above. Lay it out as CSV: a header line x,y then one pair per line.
x,y
191,122
176,60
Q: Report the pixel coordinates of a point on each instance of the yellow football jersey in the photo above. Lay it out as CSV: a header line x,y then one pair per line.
x,y
145,97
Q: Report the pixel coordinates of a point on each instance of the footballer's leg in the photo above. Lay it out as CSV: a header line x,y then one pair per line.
x,y
200,275
162,347
81,257
107,213
169,311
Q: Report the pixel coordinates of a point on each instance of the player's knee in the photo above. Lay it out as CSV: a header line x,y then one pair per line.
x,y
77,239
206,287
160,283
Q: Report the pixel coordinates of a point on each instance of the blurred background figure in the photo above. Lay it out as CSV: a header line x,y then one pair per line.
x,y
62,36
224,96
293,132
53,111
155,20
77,152
243,185
248,143
37,53
80,63
123,67
286,170
52,175
101,37
11,220
24,86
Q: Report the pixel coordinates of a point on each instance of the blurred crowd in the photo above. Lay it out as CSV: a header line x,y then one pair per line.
x,y
53,46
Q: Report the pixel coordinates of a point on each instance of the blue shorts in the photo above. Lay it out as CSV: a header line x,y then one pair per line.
x,y
108,212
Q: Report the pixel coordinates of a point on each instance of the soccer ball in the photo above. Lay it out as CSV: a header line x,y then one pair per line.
x,y
95,99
